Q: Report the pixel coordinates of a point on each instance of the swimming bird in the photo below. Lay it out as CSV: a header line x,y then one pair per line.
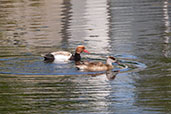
x,y
97,66
65,56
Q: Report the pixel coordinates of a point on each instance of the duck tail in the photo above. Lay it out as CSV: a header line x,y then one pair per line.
x,y
48,57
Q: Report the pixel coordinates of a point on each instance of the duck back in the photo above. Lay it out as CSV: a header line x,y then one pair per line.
x,y
94,66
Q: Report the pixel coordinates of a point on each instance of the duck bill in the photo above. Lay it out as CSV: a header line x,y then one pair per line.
x,y
86,51
117,62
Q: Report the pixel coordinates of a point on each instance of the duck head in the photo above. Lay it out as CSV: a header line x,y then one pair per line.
x,y
111,60
81,49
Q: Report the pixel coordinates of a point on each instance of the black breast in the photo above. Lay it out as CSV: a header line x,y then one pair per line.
x,y
76,57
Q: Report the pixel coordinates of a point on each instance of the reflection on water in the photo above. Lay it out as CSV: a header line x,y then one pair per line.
x,y
167,28
31,24
136,32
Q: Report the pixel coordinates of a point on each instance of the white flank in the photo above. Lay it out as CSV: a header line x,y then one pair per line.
x,y
62,56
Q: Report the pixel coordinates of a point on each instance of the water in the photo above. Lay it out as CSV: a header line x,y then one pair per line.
x,y
136,32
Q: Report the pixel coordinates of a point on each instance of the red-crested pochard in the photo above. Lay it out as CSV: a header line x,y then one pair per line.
x,y
97,66
64,55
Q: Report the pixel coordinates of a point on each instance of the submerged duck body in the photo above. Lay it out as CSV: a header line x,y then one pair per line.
x,y
65,56
97,66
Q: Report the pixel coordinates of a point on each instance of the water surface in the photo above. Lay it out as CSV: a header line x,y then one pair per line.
x,y
135,32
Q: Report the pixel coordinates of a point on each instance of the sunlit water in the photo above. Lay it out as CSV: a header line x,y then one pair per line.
x,y
136,32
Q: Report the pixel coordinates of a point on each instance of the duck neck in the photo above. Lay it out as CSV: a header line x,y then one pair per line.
x,y
108,62
77,57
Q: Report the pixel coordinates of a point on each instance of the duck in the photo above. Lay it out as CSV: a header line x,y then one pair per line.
x,y
97,66
65,56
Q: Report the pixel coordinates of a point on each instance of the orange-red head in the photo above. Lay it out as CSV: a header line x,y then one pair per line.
x,y
81,49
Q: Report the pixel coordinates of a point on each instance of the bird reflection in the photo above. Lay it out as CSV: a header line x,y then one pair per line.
x,y
111,75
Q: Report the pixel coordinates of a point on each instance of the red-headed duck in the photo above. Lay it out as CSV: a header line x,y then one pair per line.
x,y
65,56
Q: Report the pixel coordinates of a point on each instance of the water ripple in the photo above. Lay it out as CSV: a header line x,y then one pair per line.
x,y
36,66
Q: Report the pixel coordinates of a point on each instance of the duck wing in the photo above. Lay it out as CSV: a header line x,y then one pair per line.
x,y
95,64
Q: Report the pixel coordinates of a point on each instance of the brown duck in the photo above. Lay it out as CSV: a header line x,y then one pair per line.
x,y
97,66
